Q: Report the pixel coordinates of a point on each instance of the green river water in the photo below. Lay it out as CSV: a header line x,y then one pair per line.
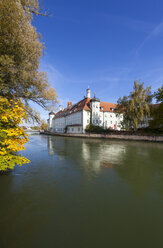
x,y
84,193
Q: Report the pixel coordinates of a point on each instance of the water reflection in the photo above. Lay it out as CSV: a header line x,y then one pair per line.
x,y
138,163
90,154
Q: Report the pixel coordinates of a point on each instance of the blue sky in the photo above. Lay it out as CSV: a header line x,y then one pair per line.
x,y
106,44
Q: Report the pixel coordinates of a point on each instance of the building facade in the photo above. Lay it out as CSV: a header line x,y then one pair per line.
x,y
76,117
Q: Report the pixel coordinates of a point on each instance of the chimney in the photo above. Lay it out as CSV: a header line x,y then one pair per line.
x,y
69,104
88,93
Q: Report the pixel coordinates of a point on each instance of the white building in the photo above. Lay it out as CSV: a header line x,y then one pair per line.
x,y
76,117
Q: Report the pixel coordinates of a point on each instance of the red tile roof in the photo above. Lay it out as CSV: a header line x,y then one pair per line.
x,y
85,104
107,107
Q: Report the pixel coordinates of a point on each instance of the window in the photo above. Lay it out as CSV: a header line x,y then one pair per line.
x,y
78,128
87,113
110,115
96,121
111,122
87,121
72,129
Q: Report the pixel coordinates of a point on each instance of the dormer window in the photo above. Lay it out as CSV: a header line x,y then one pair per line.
x,y
102,108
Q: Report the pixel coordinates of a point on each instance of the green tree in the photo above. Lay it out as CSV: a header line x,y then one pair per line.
x,y
157,110
20,52
135,107
159,94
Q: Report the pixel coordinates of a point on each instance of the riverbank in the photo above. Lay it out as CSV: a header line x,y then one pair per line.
x,y
108,136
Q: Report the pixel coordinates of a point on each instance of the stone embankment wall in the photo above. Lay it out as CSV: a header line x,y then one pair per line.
x,y
109,136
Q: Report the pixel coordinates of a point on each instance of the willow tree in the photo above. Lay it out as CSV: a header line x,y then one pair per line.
x,y
20,52
157,110
136,106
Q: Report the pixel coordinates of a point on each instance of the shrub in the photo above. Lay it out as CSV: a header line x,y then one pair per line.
x,y
96,129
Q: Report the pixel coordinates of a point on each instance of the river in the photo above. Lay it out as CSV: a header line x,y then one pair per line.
x,y
83,193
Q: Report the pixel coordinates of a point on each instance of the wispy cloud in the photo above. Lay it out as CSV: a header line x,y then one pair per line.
x,y
131,23
154,33
54,75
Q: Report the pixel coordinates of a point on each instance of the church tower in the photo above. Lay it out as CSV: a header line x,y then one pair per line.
x,y
95,108
50,120
88,93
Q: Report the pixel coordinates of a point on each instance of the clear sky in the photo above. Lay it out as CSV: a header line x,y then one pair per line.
x,y
106,44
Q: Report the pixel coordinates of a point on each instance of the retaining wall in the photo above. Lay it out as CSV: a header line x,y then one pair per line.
x,y
109,136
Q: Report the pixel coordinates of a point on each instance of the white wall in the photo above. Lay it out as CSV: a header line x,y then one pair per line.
x,y
75,118
86,119
59,124
95,113
112,120
75,129
105,119
50,121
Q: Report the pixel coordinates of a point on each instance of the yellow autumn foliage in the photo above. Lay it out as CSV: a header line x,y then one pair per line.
x,y
12,136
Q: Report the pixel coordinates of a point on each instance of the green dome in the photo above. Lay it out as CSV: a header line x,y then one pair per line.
x,y
95,99
51,113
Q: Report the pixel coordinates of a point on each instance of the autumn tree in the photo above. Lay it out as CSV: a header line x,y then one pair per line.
x,y
20,52
21,81
157,110
136,106
44,126
12,136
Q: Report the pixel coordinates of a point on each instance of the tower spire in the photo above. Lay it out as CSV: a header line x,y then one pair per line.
x,y
88,92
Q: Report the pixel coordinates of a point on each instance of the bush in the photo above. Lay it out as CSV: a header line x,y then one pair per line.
x,y
96,129
150,131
